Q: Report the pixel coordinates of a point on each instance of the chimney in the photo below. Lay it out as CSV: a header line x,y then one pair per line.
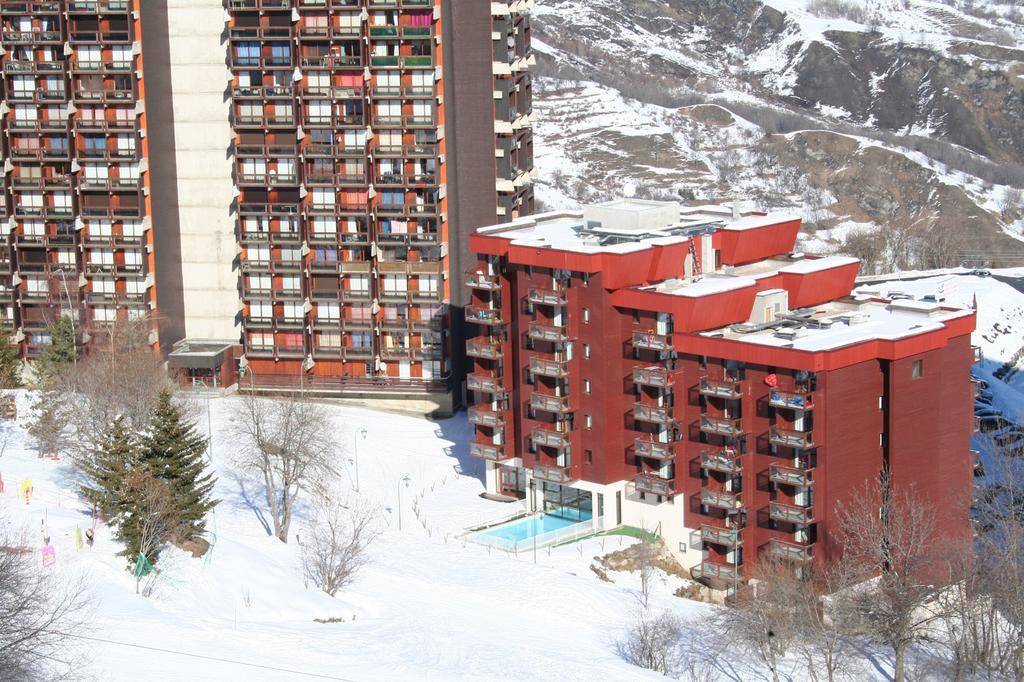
x,y
736,209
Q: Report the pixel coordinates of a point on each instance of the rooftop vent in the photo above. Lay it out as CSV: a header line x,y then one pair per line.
x,y
854,318
790,333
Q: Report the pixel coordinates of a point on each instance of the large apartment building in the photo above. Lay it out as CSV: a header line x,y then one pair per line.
x,y
681,369
322,211
76,189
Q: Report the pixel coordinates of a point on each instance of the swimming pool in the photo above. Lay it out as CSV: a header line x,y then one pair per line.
x,y
543,528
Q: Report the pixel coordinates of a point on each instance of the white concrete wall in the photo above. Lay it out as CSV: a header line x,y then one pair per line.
x,y
202,132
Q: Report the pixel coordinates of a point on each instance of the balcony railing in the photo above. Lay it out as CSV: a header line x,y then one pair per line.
x,y
721,426
791,400
547,332
492,453
652,413
484,383
651,341
553,474
478,280
721,500
485,416
791,550
653,449
658,377
711,571
784,475
790,438
547,297
654,485
732,390
725,460
550,439
484,348
549,368
550,403
725,537
788,513
484,316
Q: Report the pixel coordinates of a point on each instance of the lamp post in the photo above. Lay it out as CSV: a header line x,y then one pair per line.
x,y
71,313
360,433
405,479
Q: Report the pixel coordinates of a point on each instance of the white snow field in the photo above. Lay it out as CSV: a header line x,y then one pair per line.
x,y
428,606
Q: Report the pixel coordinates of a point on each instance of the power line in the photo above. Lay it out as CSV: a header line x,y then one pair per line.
x,y
204,657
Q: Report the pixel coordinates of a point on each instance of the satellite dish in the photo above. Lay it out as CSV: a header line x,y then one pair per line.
x,y
629,190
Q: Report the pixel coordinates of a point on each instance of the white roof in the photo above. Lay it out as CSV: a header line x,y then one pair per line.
x,y
808,265
706,286
755,221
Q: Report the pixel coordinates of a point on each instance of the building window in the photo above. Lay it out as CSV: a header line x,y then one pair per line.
x,y
586,386
586,350
586,316
588,456
917,369
585,276
588,421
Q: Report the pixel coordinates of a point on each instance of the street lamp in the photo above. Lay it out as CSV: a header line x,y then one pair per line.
x,y
405,479
361,433
71,314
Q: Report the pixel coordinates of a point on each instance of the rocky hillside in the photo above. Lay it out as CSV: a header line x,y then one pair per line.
x,y
892,125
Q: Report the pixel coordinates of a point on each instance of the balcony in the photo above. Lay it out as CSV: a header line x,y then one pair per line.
x,y
550,403
651,341
724,537
721,500
478,280
550,439
483,348
721,426
725,460
790,400
653,449
783,475
788,513
331,62
492,453
485,383
730,390
545,367
484,416
546,332
655,376
560,475
720,572
656,414
555,297
328,32
483,316
790,438
791,550
654,485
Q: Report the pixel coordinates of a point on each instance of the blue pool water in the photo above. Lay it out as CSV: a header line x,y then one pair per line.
x,y
536,525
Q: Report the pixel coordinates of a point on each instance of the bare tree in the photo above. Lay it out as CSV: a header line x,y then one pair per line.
x,y
122,378
35,613
762,618
653,641
146,525
291,444
335,545
889,560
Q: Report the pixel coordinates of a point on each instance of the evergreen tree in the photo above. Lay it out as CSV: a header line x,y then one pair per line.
x,y
108,470
172,452
60,353
10,364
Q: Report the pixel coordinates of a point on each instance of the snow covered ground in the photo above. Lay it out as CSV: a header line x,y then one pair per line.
x,y
428,605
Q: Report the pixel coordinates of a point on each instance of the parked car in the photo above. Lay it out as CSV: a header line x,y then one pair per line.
x,y
981,273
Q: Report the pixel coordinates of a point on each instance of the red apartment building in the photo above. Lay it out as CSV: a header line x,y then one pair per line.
x,y
75,191
682,369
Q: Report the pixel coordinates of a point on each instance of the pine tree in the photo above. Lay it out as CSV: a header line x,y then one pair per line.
x,y
172,452
60,353
10,365
108,470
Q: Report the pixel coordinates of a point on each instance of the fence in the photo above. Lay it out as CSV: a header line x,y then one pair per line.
x,y
550,538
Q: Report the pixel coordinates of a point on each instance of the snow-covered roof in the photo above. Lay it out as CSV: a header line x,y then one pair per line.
x,y
706,286
809,265
843,323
